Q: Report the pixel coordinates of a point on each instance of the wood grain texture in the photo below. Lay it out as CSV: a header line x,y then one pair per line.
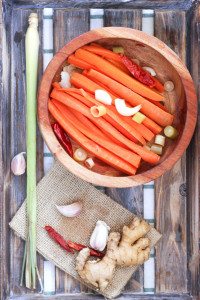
x,y
71,23
193,162
171,253
5,18
131,198
18,138
123,18
138,4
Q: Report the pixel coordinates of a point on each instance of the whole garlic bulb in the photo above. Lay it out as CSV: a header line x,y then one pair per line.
x,y
99,237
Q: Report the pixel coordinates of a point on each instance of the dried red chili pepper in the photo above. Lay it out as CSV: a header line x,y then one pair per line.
x,y
79,247
63,138
69,245
139,74
58,238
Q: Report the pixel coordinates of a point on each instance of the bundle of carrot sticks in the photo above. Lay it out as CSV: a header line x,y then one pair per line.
x,y
115,139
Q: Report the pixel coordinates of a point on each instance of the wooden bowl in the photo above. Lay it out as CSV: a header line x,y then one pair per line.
x,y
181,102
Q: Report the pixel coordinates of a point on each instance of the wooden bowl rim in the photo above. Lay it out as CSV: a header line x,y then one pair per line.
x,y
59,152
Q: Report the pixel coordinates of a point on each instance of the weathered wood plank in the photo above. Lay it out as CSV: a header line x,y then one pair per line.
x,y
131,198
70,23
18,137
193,161
99,297
137,4
171,254
5,18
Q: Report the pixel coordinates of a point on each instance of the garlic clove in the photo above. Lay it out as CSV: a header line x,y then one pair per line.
x,y
71,210
65,80
125,110
99,237
103,97
18,164
150,70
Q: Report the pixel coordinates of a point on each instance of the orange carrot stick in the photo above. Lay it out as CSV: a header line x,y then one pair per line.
x,y
159,86
80,81
118,75
126,155
149,109
102,52
89,145
79,62
69,101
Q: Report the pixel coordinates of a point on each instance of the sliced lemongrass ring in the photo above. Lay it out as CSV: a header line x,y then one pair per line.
x,y
125,110
171,132
168,86
118,49
157,149
80,154
98,111
89,163
103,97
160,140
138,117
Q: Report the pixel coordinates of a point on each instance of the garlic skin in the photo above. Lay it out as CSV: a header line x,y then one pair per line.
x,y
18,164
99,237
71,210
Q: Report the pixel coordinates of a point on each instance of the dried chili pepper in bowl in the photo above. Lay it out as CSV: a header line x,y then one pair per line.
x,y
63,138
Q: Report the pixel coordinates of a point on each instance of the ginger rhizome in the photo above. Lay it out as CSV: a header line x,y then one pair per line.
x,y
130,249
97,272
133,249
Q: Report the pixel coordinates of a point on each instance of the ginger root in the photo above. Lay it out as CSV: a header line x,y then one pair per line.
x,y
133,249
97,272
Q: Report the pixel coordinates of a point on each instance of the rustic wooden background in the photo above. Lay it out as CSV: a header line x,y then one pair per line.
x,y
177,23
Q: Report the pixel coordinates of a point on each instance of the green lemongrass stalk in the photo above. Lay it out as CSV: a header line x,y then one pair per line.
x,y
32,48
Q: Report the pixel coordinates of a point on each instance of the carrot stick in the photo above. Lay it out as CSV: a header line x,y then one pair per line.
x,y
149,109
113,72
126,155
146,132
89,145
102,52
127,129
80,81
101,85
79,62
159,86
158,104
69,101
89,104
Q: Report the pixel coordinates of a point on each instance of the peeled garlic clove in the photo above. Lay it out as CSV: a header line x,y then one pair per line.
x,y
150,70
89,163
99,237
71,210
18,164
65,80
103,97
125,110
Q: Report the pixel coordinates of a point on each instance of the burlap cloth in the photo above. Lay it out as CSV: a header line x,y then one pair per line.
x,y
61,187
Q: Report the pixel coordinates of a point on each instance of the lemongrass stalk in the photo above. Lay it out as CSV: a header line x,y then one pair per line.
x,y
32,48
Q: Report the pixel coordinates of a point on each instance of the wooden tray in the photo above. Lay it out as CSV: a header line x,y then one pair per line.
x,y
177,192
